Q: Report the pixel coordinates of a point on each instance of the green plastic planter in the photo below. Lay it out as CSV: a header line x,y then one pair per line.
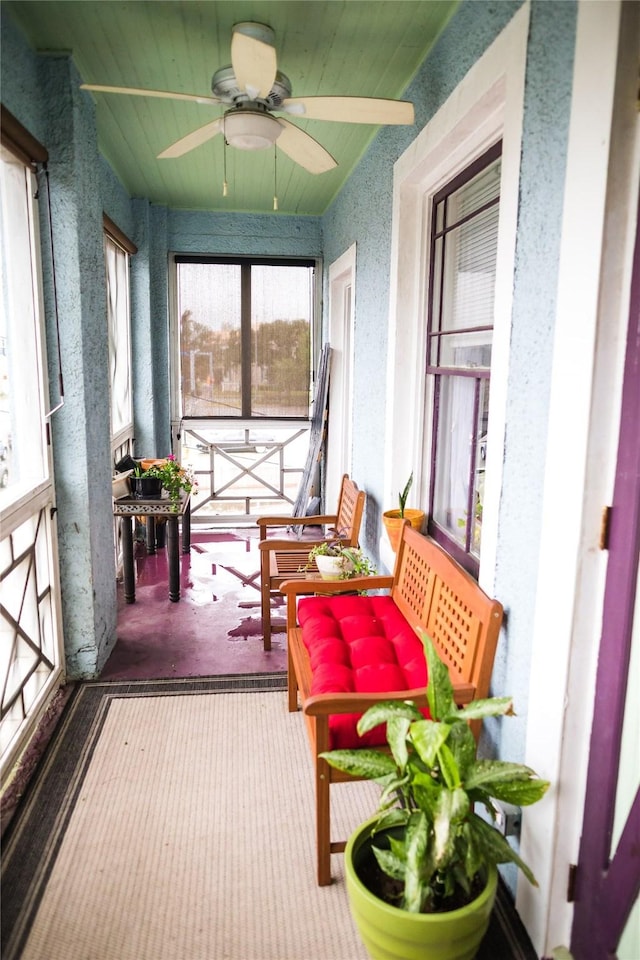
x,y
392,934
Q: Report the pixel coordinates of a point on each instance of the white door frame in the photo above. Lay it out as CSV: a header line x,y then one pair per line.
x,y
342,275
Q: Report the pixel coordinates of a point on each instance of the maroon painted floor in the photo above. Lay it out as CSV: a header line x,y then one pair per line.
x,y
215,628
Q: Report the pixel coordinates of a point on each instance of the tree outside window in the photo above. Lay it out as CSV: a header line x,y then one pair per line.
x,y
245,337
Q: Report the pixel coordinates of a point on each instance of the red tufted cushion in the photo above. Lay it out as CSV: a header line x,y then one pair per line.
x,y
359,645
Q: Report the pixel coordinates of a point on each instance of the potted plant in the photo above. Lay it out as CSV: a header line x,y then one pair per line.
x,y
423,870
394,519
145,485
335,561
167,475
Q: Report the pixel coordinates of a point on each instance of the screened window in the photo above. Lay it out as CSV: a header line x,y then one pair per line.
x,y
116,255
245,331
31,654
23,455
464,238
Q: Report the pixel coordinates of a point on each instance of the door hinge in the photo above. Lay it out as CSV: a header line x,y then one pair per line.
x,y
571,883
605,518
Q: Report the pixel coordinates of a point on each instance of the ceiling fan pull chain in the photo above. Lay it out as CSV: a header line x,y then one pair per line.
x,y
225,185
275,178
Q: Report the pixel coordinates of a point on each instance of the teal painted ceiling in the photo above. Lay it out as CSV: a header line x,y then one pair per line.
x,y
369,48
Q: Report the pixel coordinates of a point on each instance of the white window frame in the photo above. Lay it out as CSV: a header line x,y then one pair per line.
x,y
487,106
31,637
121,438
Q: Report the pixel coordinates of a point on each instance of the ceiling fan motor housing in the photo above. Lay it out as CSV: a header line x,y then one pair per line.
x,y
225,87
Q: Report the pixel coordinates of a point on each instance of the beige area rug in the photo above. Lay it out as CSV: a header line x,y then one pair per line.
x,y
187,833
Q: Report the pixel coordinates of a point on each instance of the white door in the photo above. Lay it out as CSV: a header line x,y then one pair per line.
x,y
341,322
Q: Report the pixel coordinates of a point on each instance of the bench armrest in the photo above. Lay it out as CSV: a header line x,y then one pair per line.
x,y
291,546
328,587
327,704
311,521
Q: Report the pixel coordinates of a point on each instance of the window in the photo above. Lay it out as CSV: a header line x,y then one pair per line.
x,y
31,655
464,238
245,332
117,250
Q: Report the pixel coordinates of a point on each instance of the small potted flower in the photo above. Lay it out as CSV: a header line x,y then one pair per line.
x,y
170,476
393,520
334,561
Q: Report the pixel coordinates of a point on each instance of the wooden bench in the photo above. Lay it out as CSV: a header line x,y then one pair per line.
x,y
432,593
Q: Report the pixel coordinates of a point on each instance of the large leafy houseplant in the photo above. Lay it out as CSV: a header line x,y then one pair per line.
x,y
431,780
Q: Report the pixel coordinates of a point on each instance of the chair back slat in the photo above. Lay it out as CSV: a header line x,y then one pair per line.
x,y
349,513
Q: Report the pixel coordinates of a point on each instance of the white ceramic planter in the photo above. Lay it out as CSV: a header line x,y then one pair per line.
x,y
333,568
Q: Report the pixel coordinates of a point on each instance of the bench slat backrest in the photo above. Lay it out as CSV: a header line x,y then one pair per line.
x,y
435,594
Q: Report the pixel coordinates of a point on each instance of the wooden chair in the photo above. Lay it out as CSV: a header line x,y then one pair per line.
x,y
282,559
434,594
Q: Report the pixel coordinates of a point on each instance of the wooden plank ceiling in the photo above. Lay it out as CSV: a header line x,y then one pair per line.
x,y
352,48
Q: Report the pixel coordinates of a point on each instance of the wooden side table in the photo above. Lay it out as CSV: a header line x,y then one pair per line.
x,y
126,508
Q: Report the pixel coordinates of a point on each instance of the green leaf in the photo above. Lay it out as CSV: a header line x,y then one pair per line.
x,y
439,689
473,861
392,818
495,848
394,787
368,764
449,767
493,707
462,744
425,791
397,730
386,710
415,847
427,737
512,782
389,863
521,794
452,807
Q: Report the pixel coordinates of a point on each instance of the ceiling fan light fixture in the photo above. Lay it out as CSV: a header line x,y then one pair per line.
x,y
250,129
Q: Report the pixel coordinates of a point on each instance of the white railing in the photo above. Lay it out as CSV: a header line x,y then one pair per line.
x,y
244,469
30,633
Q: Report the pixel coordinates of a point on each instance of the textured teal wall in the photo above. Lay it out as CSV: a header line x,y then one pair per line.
x,y
362,214
62,119
42,92
542,174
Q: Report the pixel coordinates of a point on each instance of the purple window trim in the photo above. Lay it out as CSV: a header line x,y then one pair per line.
x,y
434,332
614,883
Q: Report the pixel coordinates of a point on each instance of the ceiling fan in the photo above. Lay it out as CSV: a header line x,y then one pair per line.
x,y
254,89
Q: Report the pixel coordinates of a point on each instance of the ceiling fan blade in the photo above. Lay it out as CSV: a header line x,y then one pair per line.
x,y
254,64
303,149
138,92
351,109
192,140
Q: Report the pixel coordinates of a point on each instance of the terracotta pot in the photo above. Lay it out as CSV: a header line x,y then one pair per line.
x,y
389,933
393,524
147,462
